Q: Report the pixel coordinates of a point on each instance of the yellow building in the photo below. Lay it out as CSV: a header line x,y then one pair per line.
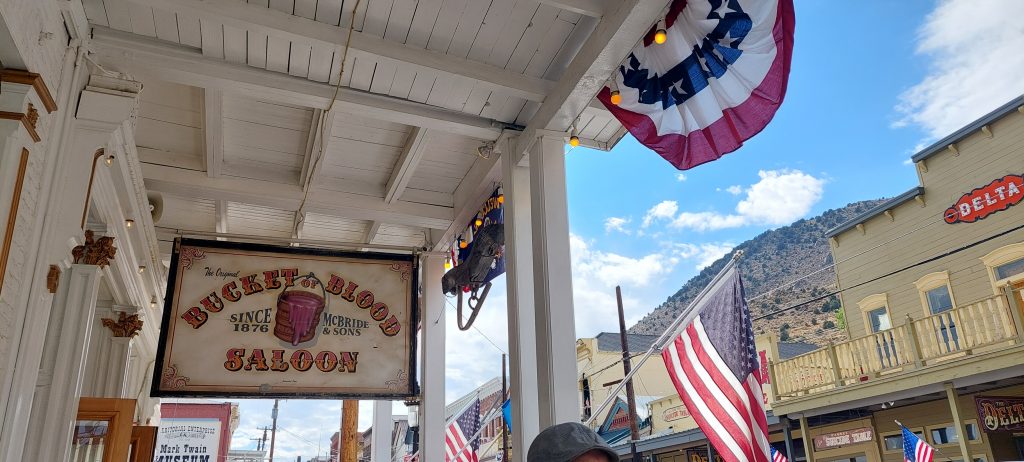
x,y
930,285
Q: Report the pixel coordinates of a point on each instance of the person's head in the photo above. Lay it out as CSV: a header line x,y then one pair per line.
x,y
570,442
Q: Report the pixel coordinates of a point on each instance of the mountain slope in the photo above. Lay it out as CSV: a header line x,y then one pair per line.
x,y
771,259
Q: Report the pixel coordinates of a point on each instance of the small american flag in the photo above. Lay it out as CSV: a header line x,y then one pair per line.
x,y
713,365
457,446
914,449
777,456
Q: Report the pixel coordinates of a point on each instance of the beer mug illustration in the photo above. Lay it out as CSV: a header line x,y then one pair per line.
x,y
299,308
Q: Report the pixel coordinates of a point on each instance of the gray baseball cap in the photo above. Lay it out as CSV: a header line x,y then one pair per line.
x,y
565,442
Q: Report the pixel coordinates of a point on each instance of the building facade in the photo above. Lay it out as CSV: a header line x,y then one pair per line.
x,y
930,286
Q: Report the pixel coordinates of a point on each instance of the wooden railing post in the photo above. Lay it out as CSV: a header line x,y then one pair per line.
x,y
835,364
1011,304
774,380
915,343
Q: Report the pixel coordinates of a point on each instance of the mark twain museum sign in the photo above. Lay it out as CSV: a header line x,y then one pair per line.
x,y
257,320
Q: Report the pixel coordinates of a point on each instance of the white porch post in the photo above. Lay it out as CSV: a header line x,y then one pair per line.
x,y
383,426
61,369
522,330
556,331
432,404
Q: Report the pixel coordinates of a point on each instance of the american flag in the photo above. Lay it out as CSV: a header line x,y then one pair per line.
x,y
914,449
713,364
777,456
457,446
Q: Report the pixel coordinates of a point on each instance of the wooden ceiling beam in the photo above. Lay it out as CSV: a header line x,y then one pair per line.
x,y
150,58
276,23
404,169
592,8
196,185
213,131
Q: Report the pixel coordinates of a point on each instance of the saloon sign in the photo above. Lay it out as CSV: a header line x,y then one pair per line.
x,y
1001,414
996,196
257,320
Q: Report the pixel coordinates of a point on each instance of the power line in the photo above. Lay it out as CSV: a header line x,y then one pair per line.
x,y
891,273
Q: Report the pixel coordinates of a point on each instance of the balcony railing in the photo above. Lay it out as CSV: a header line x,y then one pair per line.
x,y
986,324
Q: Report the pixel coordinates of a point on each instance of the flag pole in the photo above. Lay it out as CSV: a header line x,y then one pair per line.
x,y
950,459
686,315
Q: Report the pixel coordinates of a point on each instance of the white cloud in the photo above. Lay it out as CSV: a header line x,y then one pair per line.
x,y
617,224
664,210
976,62
781,197
778,198
680,177
706,253
735,190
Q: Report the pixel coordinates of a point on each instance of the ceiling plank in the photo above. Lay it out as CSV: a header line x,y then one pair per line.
x,y
592,8
474,189
615,35
298,29
147,58
196,185
213,131
404,169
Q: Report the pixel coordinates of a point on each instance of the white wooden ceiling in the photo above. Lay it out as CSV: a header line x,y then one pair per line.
x,y
232,112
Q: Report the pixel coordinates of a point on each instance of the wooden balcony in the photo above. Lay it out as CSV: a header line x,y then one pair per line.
x,y
969,331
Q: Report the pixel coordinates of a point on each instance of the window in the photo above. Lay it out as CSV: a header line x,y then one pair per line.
x,y
893,442
1008,270
944,435
971,431
1005,265
879,319
939,299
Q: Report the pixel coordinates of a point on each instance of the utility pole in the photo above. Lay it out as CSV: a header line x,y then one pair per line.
x,y
626,368
349,430
273,429
504,396
262,445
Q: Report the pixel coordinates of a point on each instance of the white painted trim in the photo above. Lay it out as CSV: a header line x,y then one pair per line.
x,y
404,169
192,184
592,8
275,23
153,59
213,131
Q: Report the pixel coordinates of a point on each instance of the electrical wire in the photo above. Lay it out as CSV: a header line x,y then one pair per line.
x,y
482,334
324,118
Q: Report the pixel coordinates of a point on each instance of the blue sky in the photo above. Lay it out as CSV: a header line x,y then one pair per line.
x,y
872,81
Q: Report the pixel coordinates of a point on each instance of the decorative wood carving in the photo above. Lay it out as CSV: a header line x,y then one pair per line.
x,y
97,252
125,326
29,78
32,116
53,279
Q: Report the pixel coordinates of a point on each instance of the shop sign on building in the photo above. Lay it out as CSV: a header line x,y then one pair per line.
x,y
675,413
999,195
1001,414
843,438
700,454
188,439
257,320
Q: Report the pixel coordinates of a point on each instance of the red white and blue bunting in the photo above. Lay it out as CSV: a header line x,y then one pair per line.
x,y
716,81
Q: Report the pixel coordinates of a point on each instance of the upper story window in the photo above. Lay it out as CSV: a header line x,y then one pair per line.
x,y
1005,265
936,294
939,299
876,311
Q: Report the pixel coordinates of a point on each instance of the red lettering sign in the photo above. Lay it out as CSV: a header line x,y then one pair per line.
x,y
996,196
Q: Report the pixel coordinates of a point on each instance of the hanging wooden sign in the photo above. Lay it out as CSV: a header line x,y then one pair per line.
x,y
267,321
1001,413
999,195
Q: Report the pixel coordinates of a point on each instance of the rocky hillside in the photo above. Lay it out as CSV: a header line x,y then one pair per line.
x,y
770,260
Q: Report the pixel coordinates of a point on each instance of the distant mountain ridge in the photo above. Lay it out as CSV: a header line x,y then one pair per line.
x,y
770,260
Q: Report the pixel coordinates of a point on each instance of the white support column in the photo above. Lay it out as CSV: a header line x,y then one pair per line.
x,y
432,422
522,331
552,276
383,426
61,369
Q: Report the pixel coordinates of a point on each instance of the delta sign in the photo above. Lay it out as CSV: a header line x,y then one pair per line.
x,y
996,196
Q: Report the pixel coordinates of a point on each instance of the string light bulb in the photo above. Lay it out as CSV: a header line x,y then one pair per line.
x,y
109,160
142,269
129,223
152,303
501,195
660,36
478,222
447,264
616,98
463,244
574,141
